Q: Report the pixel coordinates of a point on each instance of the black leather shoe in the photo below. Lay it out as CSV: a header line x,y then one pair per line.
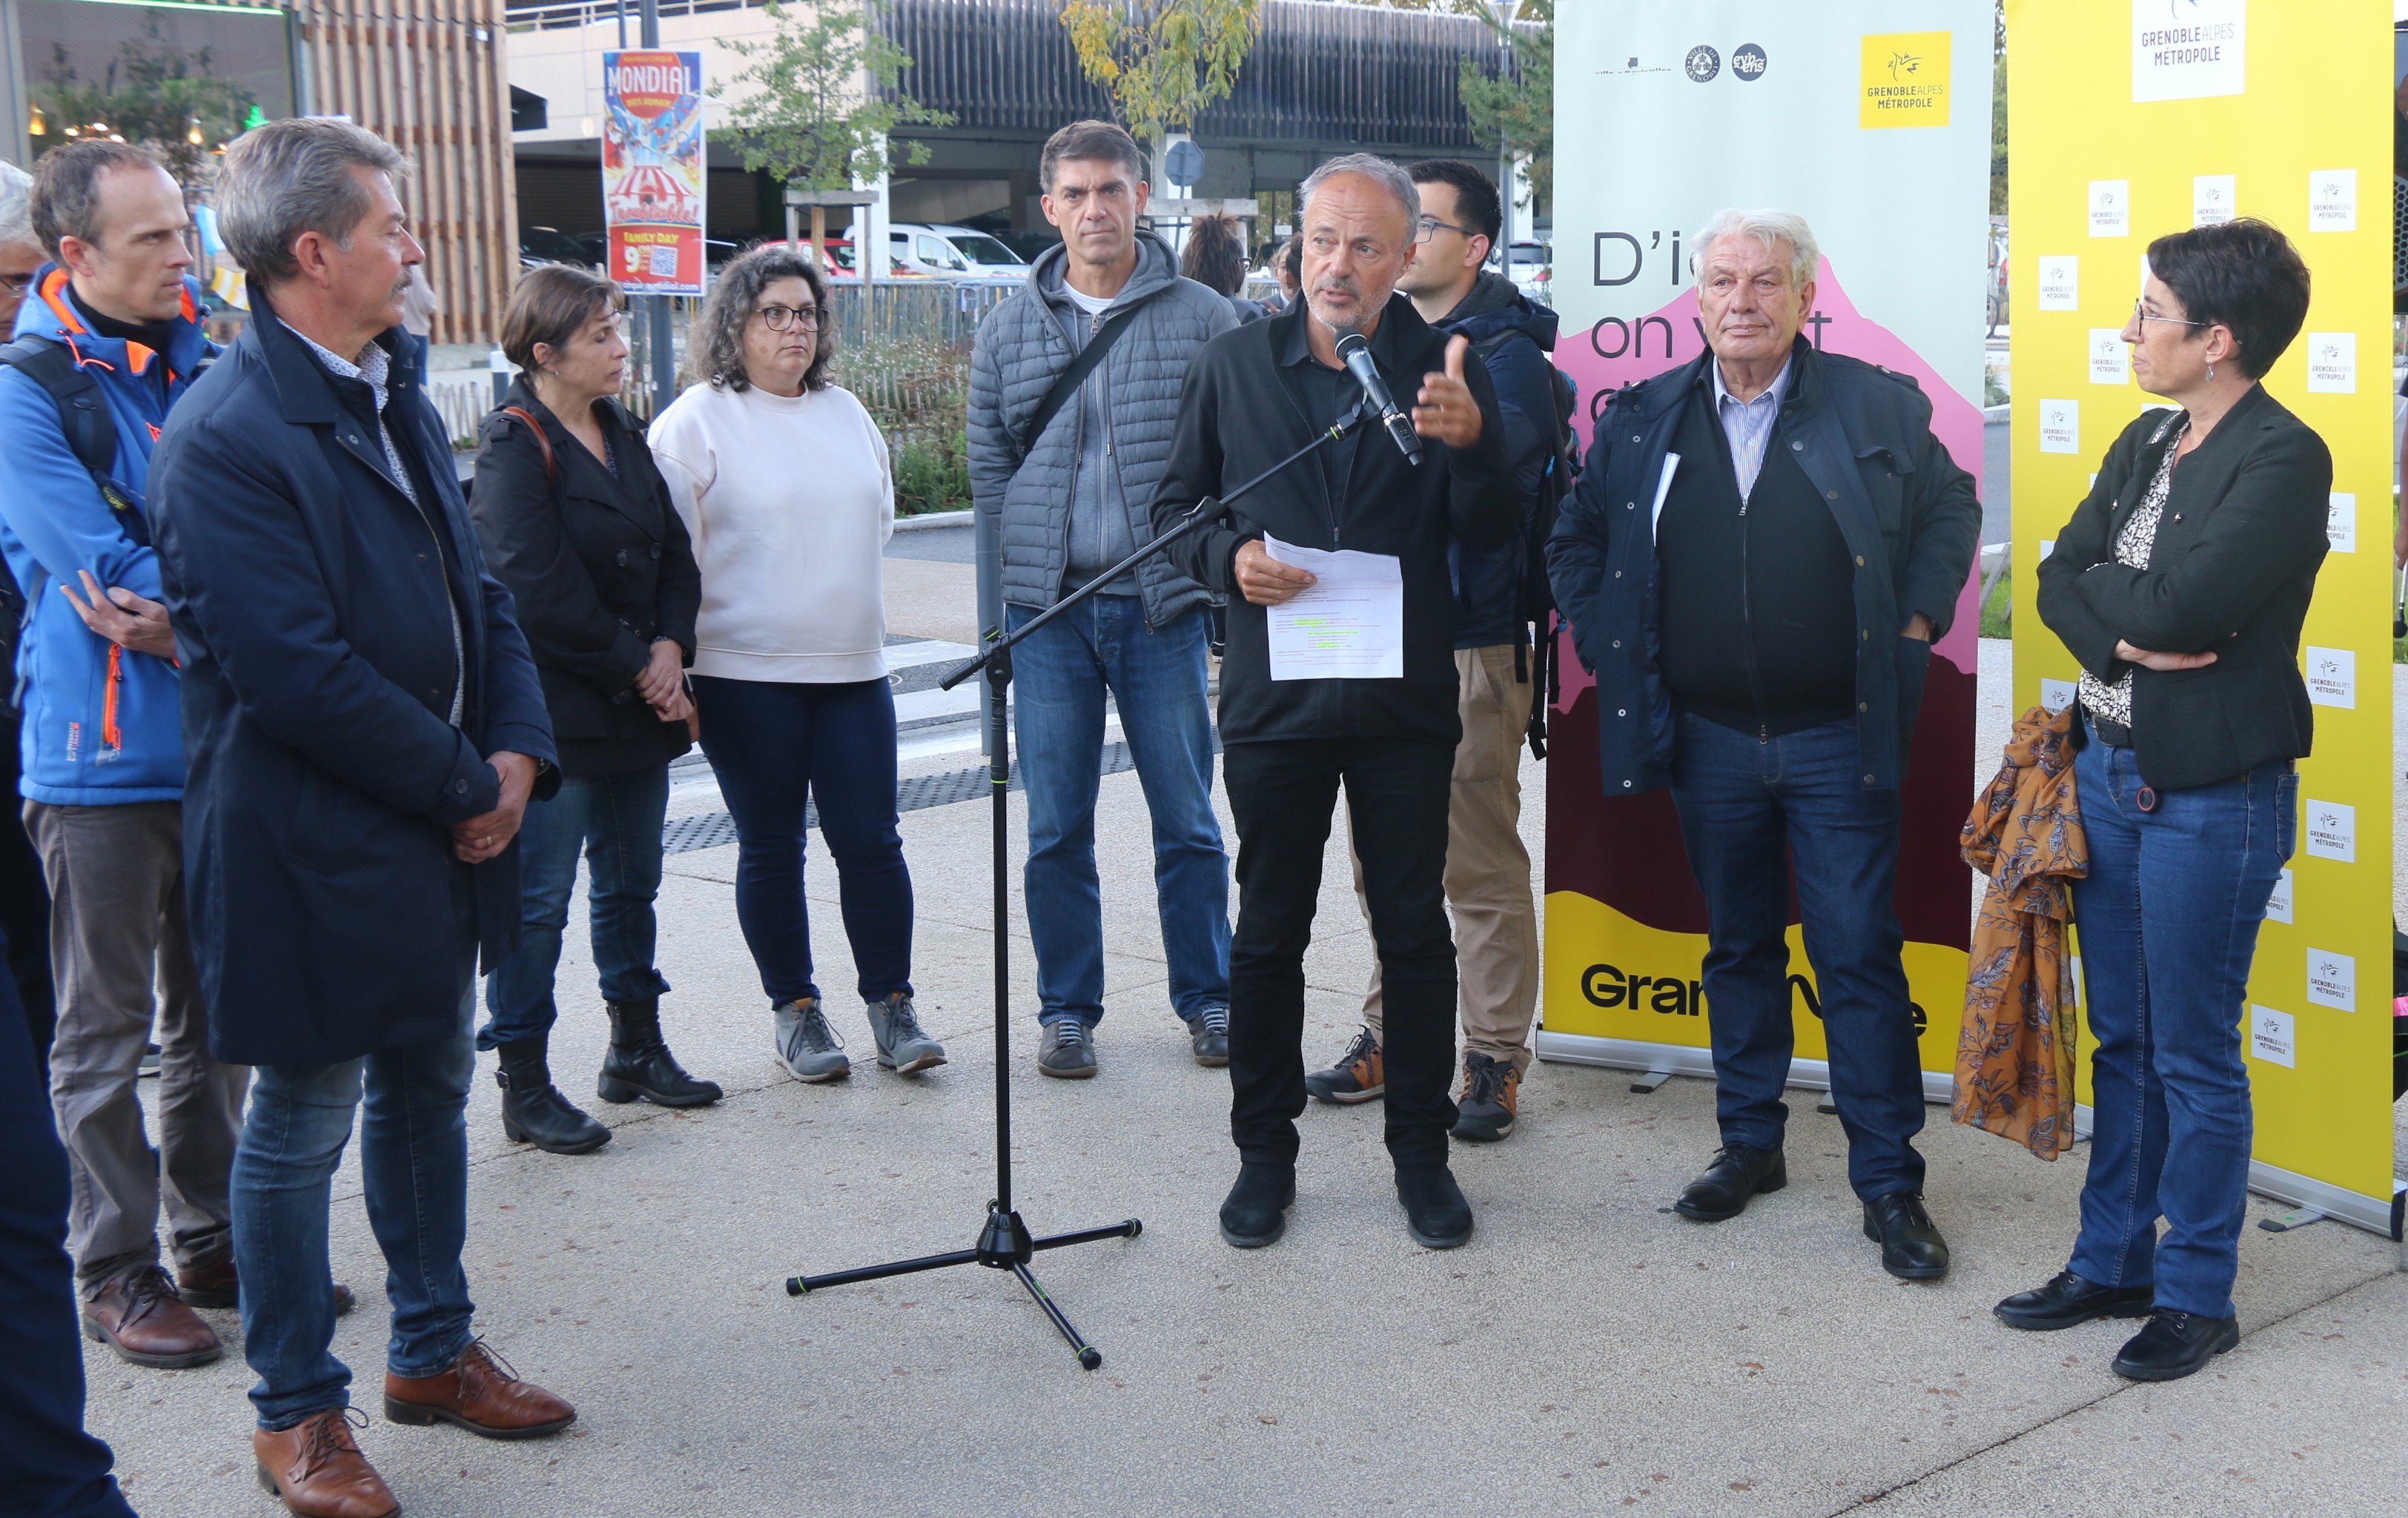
x,y
2068,1300
1256,1212
533,1110
2174,1344
1912,1247
1738,1173
639,1063
1436,1213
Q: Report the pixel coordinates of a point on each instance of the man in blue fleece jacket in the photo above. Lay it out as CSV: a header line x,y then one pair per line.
x,y
101,749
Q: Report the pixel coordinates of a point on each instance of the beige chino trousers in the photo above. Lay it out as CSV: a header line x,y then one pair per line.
x,y
1487,868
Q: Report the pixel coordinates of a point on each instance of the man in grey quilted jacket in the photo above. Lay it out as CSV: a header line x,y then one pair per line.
x,y
1056,509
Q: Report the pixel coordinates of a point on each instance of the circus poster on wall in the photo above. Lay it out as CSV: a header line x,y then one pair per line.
x,y
653,181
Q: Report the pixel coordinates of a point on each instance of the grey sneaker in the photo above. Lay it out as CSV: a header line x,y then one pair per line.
x,y
1068,1051
1208,1034
903,1045
807,1046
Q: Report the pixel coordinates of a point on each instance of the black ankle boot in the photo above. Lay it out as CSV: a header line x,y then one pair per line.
x,y
534,1111
640,1065
1436,1213
1256,1212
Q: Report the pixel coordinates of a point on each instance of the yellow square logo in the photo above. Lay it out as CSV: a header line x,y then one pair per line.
x,y
1904,79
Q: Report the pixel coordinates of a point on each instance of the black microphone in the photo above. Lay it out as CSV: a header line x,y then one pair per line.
x,y
1357,354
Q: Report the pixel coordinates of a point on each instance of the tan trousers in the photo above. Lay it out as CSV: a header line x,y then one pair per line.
x,y
1488,869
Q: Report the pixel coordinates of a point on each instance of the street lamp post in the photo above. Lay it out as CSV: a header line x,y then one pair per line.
x,y
660,340
1504,11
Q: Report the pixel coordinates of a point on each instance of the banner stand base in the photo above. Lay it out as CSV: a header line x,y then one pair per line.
x,y
2377,1215
1662,1061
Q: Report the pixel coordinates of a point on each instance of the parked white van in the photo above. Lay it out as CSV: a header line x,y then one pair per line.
x,y
955,252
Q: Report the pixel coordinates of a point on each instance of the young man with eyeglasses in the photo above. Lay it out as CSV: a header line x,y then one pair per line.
x,y
1064,483
1487,867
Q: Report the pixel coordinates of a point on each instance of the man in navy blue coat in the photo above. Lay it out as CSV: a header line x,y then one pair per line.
x,y
365,728
1763,546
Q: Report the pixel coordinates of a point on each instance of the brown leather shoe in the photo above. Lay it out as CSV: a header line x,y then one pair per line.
x,y
139,1315
317,1468
482,1393
216,1285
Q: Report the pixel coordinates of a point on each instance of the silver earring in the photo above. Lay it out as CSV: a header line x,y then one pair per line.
x,y
2211,368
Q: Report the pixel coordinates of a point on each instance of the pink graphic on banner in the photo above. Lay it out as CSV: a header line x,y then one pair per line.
x,y
1626,852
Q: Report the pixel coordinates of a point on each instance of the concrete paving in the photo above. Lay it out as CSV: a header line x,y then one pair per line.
x,y
1587,1352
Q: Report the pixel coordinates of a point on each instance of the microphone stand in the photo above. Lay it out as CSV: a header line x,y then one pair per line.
x,y
1004,1242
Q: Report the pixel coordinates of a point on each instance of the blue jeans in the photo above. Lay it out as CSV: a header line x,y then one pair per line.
x,y
414,1164
2167,923
1744,802
775,747
615,821
1157,678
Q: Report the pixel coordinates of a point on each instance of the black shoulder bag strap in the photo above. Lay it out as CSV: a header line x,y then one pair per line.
x,y
83,416
1066,383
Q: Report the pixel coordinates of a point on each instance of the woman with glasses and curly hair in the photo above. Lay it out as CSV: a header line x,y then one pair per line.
x,y
785,485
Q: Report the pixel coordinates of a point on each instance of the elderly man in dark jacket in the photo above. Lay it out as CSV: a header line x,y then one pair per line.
x,y
1061,497
1762,547
1294,733
365,727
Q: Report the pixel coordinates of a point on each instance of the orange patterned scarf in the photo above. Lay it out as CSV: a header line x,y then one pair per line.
x,y
2014,1054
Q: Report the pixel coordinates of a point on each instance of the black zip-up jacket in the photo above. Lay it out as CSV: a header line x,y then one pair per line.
x,y
2232,570
1863,437
1245,407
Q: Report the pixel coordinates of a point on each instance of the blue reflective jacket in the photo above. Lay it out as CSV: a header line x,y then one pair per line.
x,y
102,723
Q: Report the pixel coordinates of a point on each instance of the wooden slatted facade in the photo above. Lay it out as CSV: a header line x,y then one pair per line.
x,y
430,77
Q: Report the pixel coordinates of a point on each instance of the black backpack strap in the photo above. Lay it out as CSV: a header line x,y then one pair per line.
x,y
83,418
1066,383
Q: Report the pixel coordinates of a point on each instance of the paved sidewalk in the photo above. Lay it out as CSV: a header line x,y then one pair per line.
x,y
1586,1352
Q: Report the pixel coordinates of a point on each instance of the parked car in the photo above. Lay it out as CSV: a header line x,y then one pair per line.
x,y
1534,268
541,245
923,247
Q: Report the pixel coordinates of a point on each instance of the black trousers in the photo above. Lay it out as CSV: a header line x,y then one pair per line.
x,y
24,909
1282,793
50,1468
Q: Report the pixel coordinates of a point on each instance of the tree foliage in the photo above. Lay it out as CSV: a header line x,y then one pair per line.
x,y
807,120
152,92
1518,110
1162,61
1999,114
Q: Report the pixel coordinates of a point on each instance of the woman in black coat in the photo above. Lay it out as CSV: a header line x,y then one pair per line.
x,y
2181,585
577,523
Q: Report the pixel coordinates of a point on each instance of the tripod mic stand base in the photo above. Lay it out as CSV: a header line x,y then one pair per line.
x,y
1004,1244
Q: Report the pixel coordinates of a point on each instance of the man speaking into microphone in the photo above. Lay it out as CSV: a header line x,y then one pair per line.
x,y
1341,663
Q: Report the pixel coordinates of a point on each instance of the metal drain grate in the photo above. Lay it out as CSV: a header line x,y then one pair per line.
x,y
711,830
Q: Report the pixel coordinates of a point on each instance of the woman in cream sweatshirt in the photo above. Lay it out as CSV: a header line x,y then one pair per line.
x,y
784,483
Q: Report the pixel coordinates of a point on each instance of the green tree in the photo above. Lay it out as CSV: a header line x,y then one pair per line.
x,y
1518,109
809,120
1999,114
1163,61
152,92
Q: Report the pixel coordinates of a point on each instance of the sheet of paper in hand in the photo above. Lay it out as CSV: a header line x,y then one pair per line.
x,y
1348,624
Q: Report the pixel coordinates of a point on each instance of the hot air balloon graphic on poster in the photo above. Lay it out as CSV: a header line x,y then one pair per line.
x,y
653,185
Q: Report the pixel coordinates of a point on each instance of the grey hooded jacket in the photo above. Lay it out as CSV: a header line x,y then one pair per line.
x,y
1024,343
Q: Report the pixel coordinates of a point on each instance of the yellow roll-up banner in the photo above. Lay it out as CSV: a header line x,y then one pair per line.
x,y
2131,118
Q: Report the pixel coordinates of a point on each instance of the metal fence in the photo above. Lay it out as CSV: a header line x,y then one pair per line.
x,y
914,316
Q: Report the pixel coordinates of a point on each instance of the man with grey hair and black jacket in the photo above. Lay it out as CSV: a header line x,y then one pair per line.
x,y
1383,725
1764,544
1074,389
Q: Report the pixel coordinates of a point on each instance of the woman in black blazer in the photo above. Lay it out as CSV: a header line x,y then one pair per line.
x,y
577,523
2181,584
